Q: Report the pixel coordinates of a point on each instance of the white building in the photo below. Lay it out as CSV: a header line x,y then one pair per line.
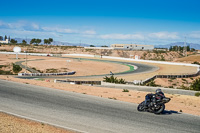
x,y
132,47
6,41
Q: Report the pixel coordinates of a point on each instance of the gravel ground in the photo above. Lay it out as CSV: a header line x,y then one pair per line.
x,y
13,124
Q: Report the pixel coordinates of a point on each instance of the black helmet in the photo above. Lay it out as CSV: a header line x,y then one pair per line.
x,y
159,91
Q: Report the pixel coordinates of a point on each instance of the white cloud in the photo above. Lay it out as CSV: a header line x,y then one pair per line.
x,y
35,26
19,25
195,35
89,32
164,35
122,36
59,30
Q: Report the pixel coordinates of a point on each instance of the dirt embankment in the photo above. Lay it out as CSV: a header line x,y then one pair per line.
x,y
147,55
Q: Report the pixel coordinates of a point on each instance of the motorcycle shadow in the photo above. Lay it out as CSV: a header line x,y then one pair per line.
x,y
169,112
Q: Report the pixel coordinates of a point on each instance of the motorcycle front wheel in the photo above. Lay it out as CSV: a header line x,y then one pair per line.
x,y
160,109
141,106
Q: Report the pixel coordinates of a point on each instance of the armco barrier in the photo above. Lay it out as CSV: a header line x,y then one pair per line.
x,y
46,74
171,76
79,82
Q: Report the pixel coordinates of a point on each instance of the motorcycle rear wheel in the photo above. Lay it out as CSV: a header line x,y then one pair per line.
x,y
141,107
160,110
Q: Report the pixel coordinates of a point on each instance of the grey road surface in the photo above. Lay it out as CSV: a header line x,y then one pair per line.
x,y
89,113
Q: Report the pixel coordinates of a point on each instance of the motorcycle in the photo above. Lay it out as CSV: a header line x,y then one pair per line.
x,y
156,105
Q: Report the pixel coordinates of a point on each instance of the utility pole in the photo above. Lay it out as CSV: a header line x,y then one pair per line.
x,y
26,61
185,48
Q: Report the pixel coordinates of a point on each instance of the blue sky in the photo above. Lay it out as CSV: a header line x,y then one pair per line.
x,y
103,22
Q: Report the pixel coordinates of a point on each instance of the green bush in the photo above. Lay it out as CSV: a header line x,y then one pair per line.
x,y
184,79
196,63
197,94
125,90
52,70
5,72
196,85
113,79
16,68
2,66
152,83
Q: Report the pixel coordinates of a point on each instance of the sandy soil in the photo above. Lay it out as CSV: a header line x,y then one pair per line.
x,y
190,59
176,83
13,124
81,67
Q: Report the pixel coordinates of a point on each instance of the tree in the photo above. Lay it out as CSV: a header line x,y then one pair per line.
x,y
35,41
5,38
24,42
1,38
46,41
192,49
16,68
38,41
188,48
13,41
170,48
32,41
50,40
92,46
9,38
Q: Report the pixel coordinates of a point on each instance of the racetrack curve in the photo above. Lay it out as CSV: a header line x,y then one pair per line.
x,y
88,113
141,68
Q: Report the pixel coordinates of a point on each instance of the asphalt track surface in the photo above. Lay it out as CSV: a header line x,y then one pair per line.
x,y
141,68
85,113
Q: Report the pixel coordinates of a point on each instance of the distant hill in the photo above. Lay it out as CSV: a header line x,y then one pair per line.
x,y
192,45
19,40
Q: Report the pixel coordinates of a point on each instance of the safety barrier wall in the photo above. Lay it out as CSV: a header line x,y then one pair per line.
x,y
79,82
138,60
45,74
171,76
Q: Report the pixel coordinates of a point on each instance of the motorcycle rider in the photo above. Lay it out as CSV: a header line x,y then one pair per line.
x,y
152,97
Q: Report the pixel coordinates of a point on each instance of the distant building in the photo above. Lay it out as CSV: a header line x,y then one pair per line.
x,y
6,41
132,47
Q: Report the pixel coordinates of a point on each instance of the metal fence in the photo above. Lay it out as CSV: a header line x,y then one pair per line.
x,y
171,76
